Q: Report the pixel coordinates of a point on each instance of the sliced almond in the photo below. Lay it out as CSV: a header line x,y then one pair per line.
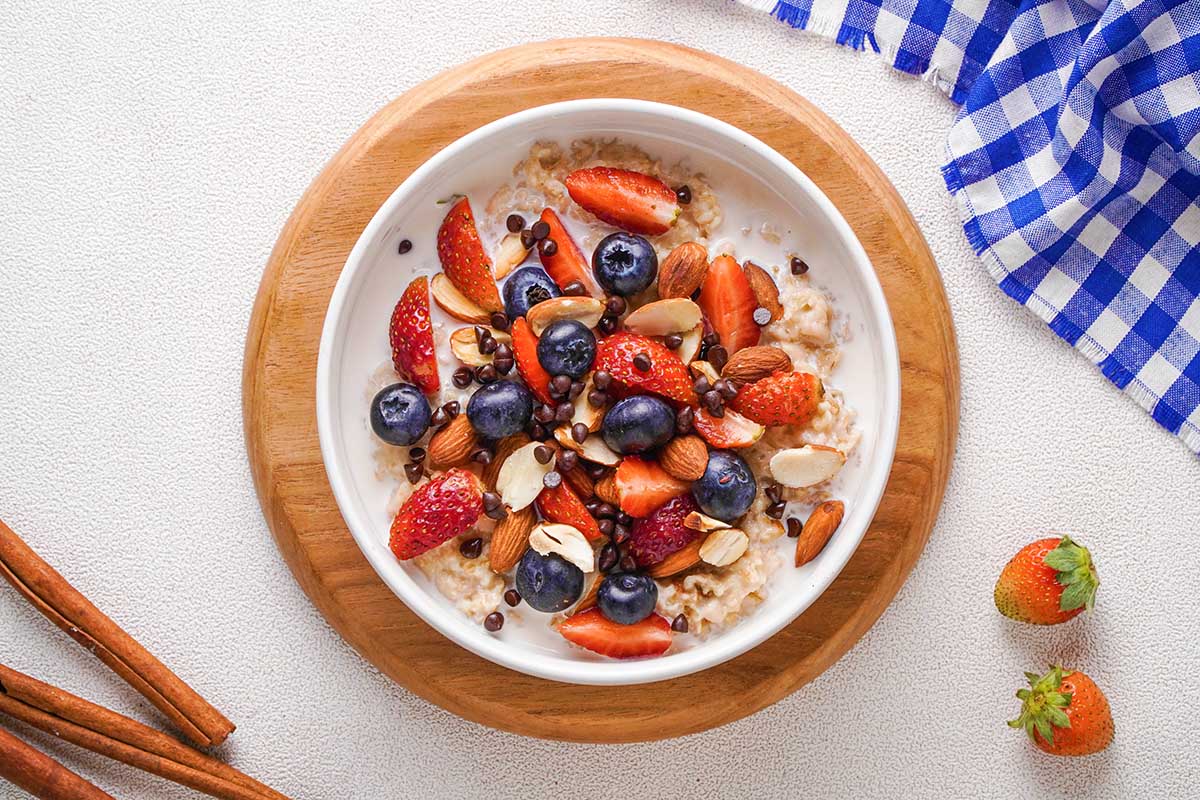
x,y
509,253
510,538
465,345
520,478
455,303
587,310
683,270
584,411
566,541
706,369
724,547
593,448
766,293
453,444
816,533
800,467
677,562
704,523
673,315
691,344
505,448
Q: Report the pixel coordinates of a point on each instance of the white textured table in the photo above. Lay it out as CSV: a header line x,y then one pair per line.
x,y
148,158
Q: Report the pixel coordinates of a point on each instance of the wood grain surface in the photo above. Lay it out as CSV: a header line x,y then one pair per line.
x,y
281,357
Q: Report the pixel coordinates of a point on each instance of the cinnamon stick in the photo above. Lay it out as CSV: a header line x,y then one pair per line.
x,y
63,605
116,736
40,775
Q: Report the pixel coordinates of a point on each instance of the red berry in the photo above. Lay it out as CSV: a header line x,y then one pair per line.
x,y
463,259
629,200
411,337
437,512
662,533
666,375
596,632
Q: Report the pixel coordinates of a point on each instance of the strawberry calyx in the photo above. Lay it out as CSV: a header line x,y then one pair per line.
x,y
1043,704
1076,573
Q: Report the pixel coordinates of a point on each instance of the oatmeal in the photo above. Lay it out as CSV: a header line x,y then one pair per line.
x,y
620,387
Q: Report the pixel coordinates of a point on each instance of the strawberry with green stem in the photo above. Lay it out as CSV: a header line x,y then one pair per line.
x,y
1065,713
1047,582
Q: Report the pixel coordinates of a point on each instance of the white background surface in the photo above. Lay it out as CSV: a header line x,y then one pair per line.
x,y
149,155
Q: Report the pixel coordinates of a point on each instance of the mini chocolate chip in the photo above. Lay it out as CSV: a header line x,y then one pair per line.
x,y
794,527
608,558
439,418
729,390
718,356
481,333
514,223
775,510
627,563
596,471
414,472
504,350
540,229
615,306
774,492
561,384
493,621
607,324
684,194
500,320
527,239
462,377
471,548
701,385
504,365
597,398
574,288
575,390
552,480
497,513
684,420
798,266
606,526
405,246
679,624
482,456
416,454
601,379
567,460
487,373
548,247
592,506
543,454
537,431
579,432
710,339
712,399
761,316
624,519
491,500
606,511
672,341
512,597
642,362
564,412
452,408
718,412
488,345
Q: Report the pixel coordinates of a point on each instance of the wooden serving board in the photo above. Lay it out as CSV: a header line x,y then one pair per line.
x,y
281,359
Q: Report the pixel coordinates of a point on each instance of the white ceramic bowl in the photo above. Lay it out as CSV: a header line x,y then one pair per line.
x,y
754,184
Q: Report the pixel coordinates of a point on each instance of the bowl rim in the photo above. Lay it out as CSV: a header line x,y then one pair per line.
x,y
749,633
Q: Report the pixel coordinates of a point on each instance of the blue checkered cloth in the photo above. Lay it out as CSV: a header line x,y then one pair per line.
x,y
1075,160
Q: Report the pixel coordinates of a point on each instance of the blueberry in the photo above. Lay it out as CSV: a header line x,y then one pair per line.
x,y
567,347
624,264
500,409
400,414
525,288
627,598
727,487
637,424
548,582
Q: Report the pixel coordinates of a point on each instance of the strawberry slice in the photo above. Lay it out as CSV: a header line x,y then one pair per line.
x,y
463,258
728,432
592,630
411,337
436,512
728,303
662,533
643,486
524,345
667,375
629,200
785,398
561,504
567,265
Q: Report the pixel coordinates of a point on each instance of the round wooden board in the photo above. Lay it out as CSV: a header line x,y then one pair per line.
x,y
281,356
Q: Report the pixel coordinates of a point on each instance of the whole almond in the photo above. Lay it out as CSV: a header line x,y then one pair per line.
x,y
683,270
751,364
579,481
453,444
766,293
510,538
504,449
821,524
606,490
678,561
589,597
685,457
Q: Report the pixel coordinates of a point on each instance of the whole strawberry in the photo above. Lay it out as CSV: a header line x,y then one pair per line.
x,y
1047,582
436,512
1065,713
